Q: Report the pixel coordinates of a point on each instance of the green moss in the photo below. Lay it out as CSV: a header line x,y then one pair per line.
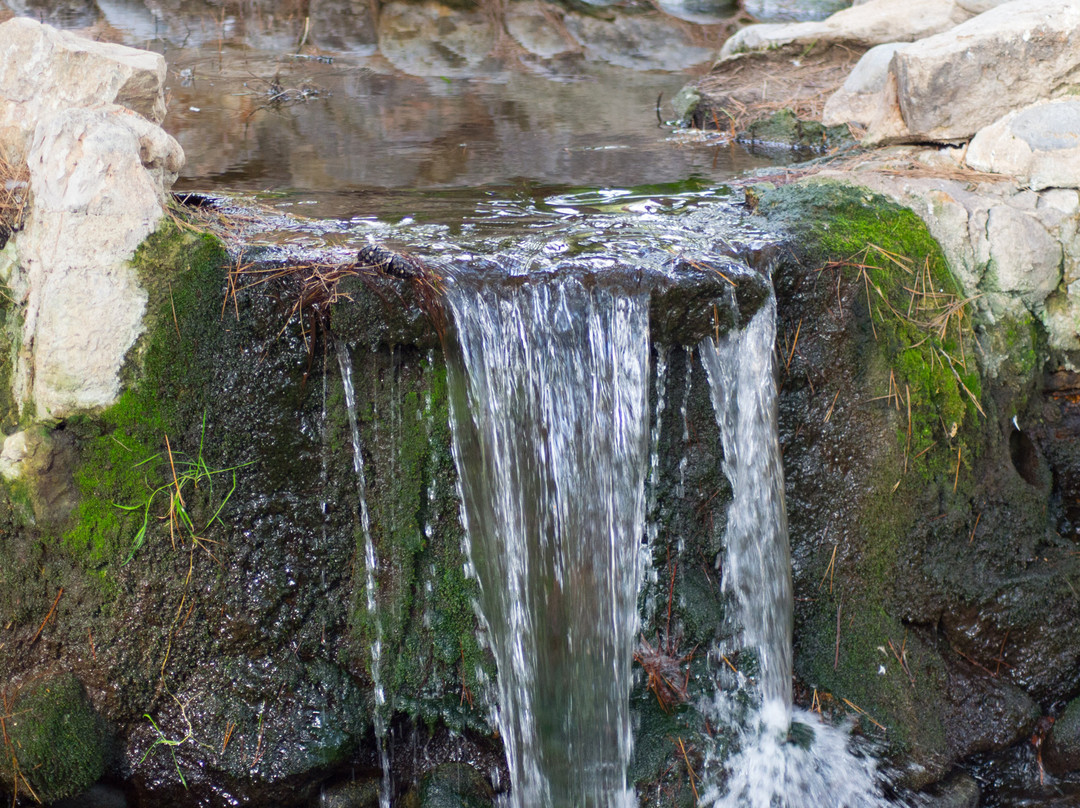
x,y
863,670
10,324
430,653
913,305
911,360
55,738
123,453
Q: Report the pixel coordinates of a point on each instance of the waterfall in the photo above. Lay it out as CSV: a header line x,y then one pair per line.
x,y
785,758
370,568
757,567
550,412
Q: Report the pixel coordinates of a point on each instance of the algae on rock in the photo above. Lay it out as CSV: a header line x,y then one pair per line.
x,y
912,528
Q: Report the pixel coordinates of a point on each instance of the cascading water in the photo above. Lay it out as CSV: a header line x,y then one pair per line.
x,y
785,758
551,444
549,370
757,569
371,568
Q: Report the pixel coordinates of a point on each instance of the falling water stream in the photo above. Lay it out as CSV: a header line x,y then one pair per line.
x,y
550,442
783,758
370,568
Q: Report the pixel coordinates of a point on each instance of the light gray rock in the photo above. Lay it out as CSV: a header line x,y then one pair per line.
x,y
430,39
1024,258
98,176
539,29
867,24
701,11
639,42
946,87
73,111
1039,145
48,70
979,6
1062,322
12,458
858,99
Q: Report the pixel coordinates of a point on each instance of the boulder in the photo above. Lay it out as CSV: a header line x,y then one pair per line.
x,y
1038,145
539,30
948,86
432,39
43,71
865,25
84,304
83,117
639,42
858,99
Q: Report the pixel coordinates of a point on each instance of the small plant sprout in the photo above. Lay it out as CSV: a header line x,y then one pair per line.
x,y
185,474
170,743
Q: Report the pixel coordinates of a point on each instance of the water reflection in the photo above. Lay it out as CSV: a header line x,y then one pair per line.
x,y
326,97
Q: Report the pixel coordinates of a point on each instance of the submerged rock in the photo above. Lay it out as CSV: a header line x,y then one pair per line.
x,y
452,785
432,39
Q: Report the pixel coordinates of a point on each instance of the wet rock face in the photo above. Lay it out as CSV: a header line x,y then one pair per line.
x,y
1062,754
930,592
247,636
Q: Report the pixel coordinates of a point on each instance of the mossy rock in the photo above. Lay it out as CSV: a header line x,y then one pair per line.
x,y
911,304
56,738
893,454
784,129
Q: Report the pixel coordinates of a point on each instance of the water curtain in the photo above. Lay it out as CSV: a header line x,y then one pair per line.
x,y
550,440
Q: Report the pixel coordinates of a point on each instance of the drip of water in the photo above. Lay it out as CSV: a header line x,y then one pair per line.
x,y
550,400
652,524
785,758
371,569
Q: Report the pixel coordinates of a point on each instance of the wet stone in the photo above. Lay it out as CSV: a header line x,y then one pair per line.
x,y
1062,752
452,785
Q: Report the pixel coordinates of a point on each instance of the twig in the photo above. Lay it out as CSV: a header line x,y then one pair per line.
x,y
836,658
689,770
828,415
863,713
50,614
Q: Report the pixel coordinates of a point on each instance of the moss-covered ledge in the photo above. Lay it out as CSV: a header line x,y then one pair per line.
x,y
188,555
923,548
